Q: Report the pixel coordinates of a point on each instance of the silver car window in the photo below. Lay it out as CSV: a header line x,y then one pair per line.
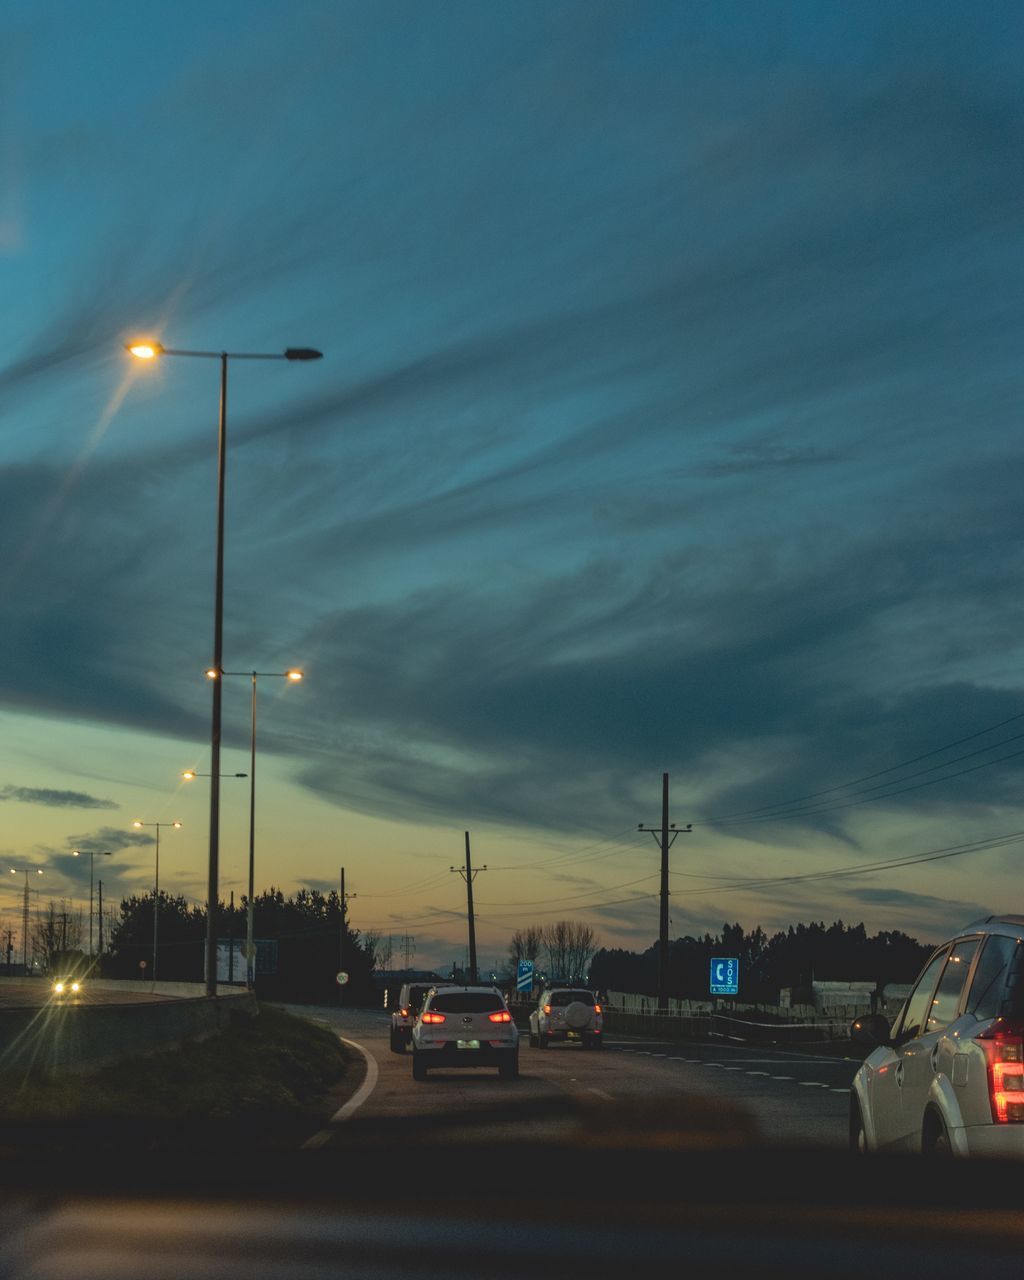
x,y
989,983
917,1007
946,1001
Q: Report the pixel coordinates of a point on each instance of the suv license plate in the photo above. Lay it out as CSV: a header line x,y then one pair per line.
x,y
467,1044
573,1035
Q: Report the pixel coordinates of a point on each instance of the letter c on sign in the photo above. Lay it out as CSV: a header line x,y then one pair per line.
x,y
718,971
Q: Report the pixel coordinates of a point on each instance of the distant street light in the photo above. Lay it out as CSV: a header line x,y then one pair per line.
x,y
149,350
295,675
190,774
156,886
93,853
17,871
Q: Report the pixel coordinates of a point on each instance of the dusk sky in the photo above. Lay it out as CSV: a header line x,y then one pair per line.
x,y
669,420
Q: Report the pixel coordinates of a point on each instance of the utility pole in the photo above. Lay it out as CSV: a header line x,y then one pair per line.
x,y
101,918
231,939
468,874
666,837
409,949
342,903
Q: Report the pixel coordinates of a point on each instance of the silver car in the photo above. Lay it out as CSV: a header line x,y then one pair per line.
x,y
567,1013
465,1027
948,1077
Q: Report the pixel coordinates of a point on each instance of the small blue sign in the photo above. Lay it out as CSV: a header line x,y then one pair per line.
x,y
524,976
725,976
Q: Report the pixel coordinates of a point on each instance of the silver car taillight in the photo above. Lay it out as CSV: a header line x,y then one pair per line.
x,y
1004,1048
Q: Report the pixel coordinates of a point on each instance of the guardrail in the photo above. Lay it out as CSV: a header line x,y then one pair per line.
x,y
723,1026
59,1038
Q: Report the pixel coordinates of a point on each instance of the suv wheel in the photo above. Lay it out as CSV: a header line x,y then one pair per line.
x,y
510,1070
533,1040
935,1139
397,1042
858,1138
419,1068
543,1040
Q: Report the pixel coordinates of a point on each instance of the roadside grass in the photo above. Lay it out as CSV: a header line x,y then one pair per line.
x,y
263,1081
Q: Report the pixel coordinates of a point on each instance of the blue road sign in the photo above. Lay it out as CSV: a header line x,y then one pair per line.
x,y
524,976
725,976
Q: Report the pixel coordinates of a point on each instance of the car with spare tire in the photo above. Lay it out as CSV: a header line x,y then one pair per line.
x,y
567,1014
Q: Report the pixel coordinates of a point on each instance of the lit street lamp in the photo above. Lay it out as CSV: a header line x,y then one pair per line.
x,y
144,350
295,676
156,886
190,774
17,871
103,853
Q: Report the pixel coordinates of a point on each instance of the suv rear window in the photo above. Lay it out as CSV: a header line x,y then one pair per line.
x,y
467,1002
416,997
559,999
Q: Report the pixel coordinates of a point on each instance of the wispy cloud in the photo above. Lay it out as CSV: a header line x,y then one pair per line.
x,y
53,799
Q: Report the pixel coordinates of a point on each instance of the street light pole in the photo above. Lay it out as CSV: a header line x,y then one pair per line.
x,y
106,853
150,351
156,885
294,675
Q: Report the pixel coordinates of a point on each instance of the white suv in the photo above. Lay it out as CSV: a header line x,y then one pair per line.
x,y
403,1019
948,1078
567,1013
465,1027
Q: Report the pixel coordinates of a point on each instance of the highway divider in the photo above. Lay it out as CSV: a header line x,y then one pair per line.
x,y
62,1037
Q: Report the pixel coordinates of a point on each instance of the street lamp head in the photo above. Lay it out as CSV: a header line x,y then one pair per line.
x,y
212,673
303,353
188,775
136,823
176,824
144,350
75,853
294,674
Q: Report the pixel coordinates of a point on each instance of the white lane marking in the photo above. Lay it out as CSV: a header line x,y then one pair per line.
x,y
659,1055
734,1068
601,1094
812,1084
714,1064
757,1073
353,1104
781,1077
840,1091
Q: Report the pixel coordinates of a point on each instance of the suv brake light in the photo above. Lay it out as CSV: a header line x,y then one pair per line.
x,y
597,1008
403,1013
433,1018
547,1008
1004,1047
502,1015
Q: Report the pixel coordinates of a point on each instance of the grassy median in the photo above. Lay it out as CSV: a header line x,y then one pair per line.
x,y
265,1081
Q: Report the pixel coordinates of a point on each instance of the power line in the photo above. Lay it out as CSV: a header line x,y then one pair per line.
x,y
860,868
766,810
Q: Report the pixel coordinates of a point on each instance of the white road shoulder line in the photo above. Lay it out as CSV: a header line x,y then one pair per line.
x,y
600,1093
354,1103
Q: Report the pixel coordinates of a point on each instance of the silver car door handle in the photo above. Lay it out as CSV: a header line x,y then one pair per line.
x,y
899,1074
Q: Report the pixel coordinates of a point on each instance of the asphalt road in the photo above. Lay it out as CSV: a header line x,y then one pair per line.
x,y
35,993
789,1097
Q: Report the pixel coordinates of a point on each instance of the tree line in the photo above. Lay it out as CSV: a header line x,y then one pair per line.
x,y
303,944
793,958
